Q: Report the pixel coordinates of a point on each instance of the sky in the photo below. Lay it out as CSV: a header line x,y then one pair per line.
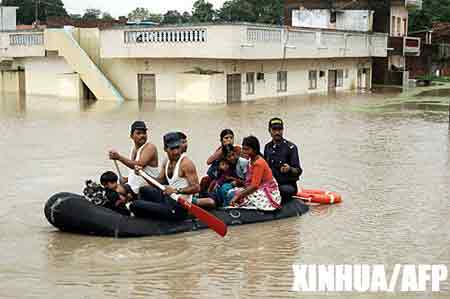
x,y
122,8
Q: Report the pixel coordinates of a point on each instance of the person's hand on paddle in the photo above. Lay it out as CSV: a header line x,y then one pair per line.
x,y
114,155
285,168
137,169
169,190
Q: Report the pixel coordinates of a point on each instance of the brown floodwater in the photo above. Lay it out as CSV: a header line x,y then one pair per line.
x,y
392,170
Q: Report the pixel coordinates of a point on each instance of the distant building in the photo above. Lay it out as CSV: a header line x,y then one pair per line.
x,y
8,18
198,63
435,52
388,16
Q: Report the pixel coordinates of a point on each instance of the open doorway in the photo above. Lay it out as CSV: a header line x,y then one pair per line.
x,y
87,93
363,78
146,88
234,88
332,79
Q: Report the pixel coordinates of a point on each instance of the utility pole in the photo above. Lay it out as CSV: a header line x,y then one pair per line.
x,y
36,13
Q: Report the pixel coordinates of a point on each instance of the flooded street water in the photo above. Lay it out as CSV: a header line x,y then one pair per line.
x,y
392,170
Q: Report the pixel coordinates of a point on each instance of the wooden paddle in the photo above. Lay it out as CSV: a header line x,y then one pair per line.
x,y
210,220
118,170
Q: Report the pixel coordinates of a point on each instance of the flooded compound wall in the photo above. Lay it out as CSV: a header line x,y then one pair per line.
x,y
12,81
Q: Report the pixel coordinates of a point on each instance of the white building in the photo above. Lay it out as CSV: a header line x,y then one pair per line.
x,y
8,18
209,63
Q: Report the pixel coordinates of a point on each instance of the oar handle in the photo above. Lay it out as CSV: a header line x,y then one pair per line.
x,y
210,220
157,184
118,170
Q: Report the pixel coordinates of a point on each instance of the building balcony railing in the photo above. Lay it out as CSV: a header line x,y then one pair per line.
x,y
238,41
22,43
213,41
404,45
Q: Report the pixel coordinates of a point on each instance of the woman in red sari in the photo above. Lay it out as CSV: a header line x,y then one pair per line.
x,y
261,190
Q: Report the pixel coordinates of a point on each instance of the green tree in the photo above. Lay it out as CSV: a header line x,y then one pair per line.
x,y
92,14
26,11
155,17
432,11
186,17
237,11
203,11
172,17
75,16
259,11
140,14
107,16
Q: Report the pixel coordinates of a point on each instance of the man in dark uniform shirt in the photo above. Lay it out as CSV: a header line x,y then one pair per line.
x,y
282,156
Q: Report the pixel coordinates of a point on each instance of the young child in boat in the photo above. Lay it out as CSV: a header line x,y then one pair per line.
x,y
117,194
224,174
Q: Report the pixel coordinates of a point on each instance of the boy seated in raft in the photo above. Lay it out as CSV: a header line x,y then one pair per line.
x,y
118,194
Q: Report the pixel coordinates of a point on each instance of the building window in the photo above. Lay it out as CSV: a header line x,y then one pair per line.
x,y
260,76
312,79
250,80
346,73
405,27
282,81
393,26
399,26
339,78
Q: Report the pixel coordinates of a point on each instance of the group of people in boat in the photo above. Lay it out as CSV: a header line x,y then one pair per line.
x,y
238,176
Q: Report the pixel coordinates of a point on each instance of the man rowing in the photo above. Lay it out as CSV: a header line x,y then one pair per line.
x,y
143,154
180,177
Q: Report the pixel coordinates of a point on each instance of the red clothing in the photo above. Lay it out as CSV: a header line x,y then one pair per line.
x,y
260,173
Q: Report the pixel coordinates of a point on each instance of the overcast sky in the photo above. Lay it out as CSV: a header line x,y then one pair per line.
x,y
122,8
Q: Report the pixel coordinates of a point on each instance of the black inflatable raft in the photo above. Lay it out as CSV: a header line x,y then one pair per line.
x,y
73,213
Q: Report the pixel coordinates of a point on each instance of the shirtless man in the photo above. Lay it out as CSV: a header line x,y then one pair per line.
x,y
143,154
180,177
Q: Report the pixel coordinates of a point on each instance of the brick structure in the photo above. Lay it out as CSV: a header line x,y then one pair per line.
x,y
389,16
60,22
435,52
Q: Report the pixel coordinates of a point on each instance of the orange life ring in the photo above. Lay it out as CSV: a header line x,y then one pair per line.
x,y
319,196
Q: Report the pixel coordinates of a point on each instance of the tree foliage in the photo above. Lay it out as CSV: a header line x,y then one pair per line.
x,y
202,11
172,17
432,11
107,16
92,14
143,14
259,11
26,11
186,17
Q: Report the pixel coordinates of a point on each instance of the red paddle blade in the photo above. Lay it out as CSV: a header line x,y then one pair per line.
x,y
210,220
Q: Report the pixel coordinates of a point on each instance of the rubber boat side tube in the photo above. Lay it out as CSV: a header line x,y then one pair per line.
x,y
73,213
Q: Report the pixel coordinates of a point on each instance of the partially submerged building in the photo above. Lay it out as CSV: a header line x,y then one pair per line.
x,y
201,63
383,16
434,59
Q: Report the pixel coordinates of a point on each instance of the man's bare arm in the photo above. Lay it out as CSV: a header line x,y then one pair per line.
x,y
148,154
190,172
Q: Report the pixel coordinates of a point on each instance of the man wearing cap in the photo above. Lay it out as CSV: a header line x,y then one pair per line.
x,y
178,174
184,142
143,154
282,157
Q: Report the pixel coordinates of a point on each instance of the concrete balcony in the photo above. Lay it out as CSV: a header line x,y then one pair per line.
x,y
404,45
238,41
17,44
